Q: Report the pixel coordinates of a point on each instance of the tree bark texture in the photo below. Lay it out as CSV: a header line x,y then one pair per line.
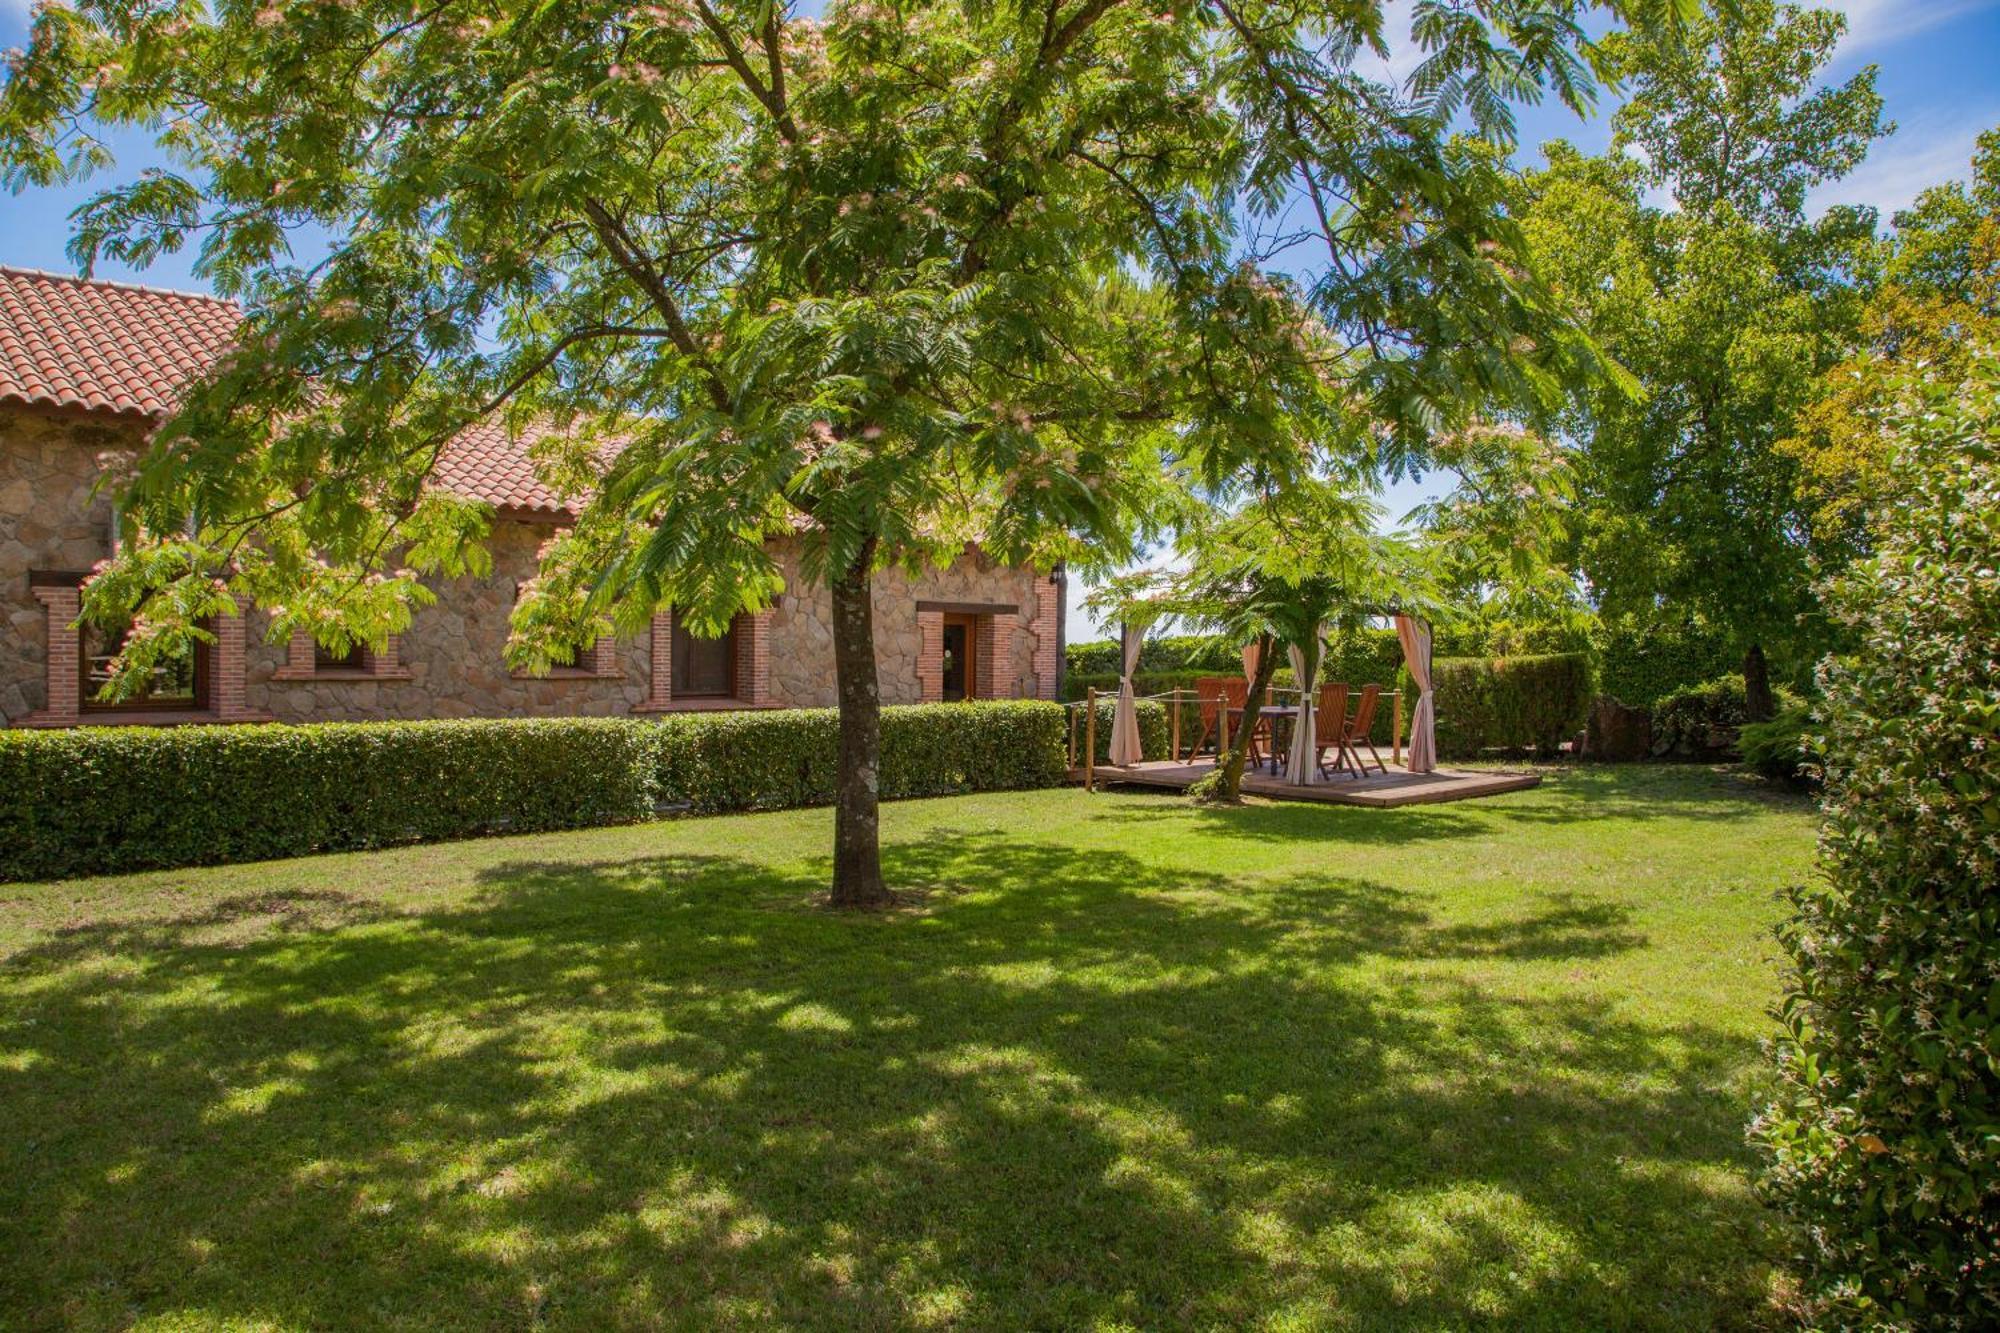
x,y
857,824
1758,701
1230,785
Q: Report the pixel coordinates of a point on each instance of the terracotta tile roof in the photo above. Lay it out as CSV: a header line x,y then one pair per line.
x,y
104,346
486,462
115,347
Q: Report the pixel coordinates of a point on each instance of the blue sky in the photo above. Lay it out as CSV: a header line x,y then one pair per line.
x,y
1937,60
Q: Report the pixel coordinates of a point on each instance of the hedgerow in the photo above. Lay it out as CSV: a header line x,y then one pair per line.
x,y
1884,1138
113,799
715,762
1509,703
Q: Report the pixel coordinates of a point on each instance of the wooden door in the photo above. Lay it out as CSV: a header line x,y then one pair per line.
x,y
961,658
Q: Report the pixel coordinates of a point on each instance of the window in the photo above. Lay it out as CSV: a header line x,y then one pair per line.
x,y
178,682
354,659
703,668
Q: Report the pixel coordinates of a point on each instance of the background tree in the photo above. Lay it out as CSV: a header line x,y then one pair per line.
x,y
1727,307
921,274
1939,302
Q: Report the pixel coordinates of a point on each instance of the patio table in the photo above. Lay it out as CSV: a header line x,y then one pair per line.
x,y
1288,713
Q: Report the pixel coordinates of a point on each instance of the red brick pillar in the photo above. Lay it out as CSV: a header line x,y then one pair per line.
x,y
996,657
753,658
230,699
660,681
930,656
65,668
602,659
1048,635
300,663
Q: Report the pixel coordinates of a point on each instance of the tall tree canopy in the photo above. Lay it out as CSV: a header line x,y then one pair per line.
x,y
1727,306
1938,307
916,274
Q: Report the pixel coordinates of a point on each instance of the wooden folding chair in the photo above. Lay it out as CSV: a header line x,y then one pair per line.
x,y
1208,695
1330,727
1362,724
1236,694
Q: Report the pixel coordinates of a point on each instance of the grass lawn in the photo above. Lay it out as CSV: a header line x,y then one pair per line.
x,y
1119,1063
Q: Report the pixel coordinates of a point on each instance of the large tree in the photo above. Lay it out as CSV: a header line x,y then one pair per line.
x,y
1938,307
1727,306
910,276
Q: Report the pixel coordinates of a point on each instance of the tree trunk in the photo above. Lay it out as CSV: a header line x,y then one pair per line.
x,y
1758,701
1228,784
857,844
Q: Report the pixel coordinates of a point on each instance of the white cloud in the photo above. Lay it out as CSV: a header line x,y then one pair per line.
x,y
1927,149
1877,23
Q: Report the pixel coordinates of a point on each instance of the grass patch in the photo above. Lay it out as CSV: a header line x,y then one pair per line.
x,y
1120,1061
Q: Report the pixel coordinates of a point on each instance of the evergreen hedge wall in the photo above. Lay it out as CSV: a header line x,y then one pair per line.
x,y
99,800
1509,703
1638,663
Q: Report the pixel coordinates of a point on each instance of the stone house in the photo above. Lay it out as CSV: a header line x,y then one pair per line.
x,y
88,369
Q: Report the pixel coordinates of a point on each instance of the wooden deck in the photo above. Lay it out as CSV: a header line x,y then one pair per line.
x,y
1379,790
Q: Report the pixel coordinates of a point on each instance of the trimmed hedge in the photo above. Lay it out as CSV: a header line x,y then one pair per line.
x,y
1509,703
1638,662
114,799
710,763
1154,734
101,800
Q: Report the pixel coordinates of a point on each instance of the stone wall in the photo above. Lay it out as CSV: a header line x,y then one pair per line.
x,y
454,656
451,661
49,520
802,631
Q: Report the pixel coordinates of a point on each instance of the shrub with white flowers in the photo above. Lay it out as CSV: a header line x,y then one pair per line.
x,y
1884,1139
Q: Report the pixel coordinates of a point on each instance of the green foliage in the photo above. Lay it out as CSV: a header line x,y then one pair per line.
x,y
1783,748
902,276
1509,703
716,762
1702,721
1641,660
1884,1139
1728,306
1154,724
888,280
104,799
1358,655
1203,654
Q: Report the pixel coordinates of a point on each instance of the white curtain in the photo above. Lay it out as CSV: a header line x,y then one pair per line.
x,y
1125,747
1302,764
1416,638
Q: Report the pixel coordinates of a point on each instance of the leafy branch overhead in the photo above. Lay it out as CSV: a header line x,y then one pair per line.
x,y
914,275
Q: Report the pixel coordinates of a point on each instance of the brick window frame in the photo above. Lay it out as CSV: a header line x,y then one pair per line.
x,y
61,596
302,663
597,662
751,632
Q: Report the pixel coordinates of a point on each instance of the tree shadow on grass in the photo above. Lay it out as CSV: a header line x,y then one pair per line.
x,y
667,1090
1570,794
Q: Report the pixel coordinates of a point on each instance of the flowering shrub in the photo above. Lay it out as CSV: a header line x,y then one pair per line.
x,y
1884,1139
